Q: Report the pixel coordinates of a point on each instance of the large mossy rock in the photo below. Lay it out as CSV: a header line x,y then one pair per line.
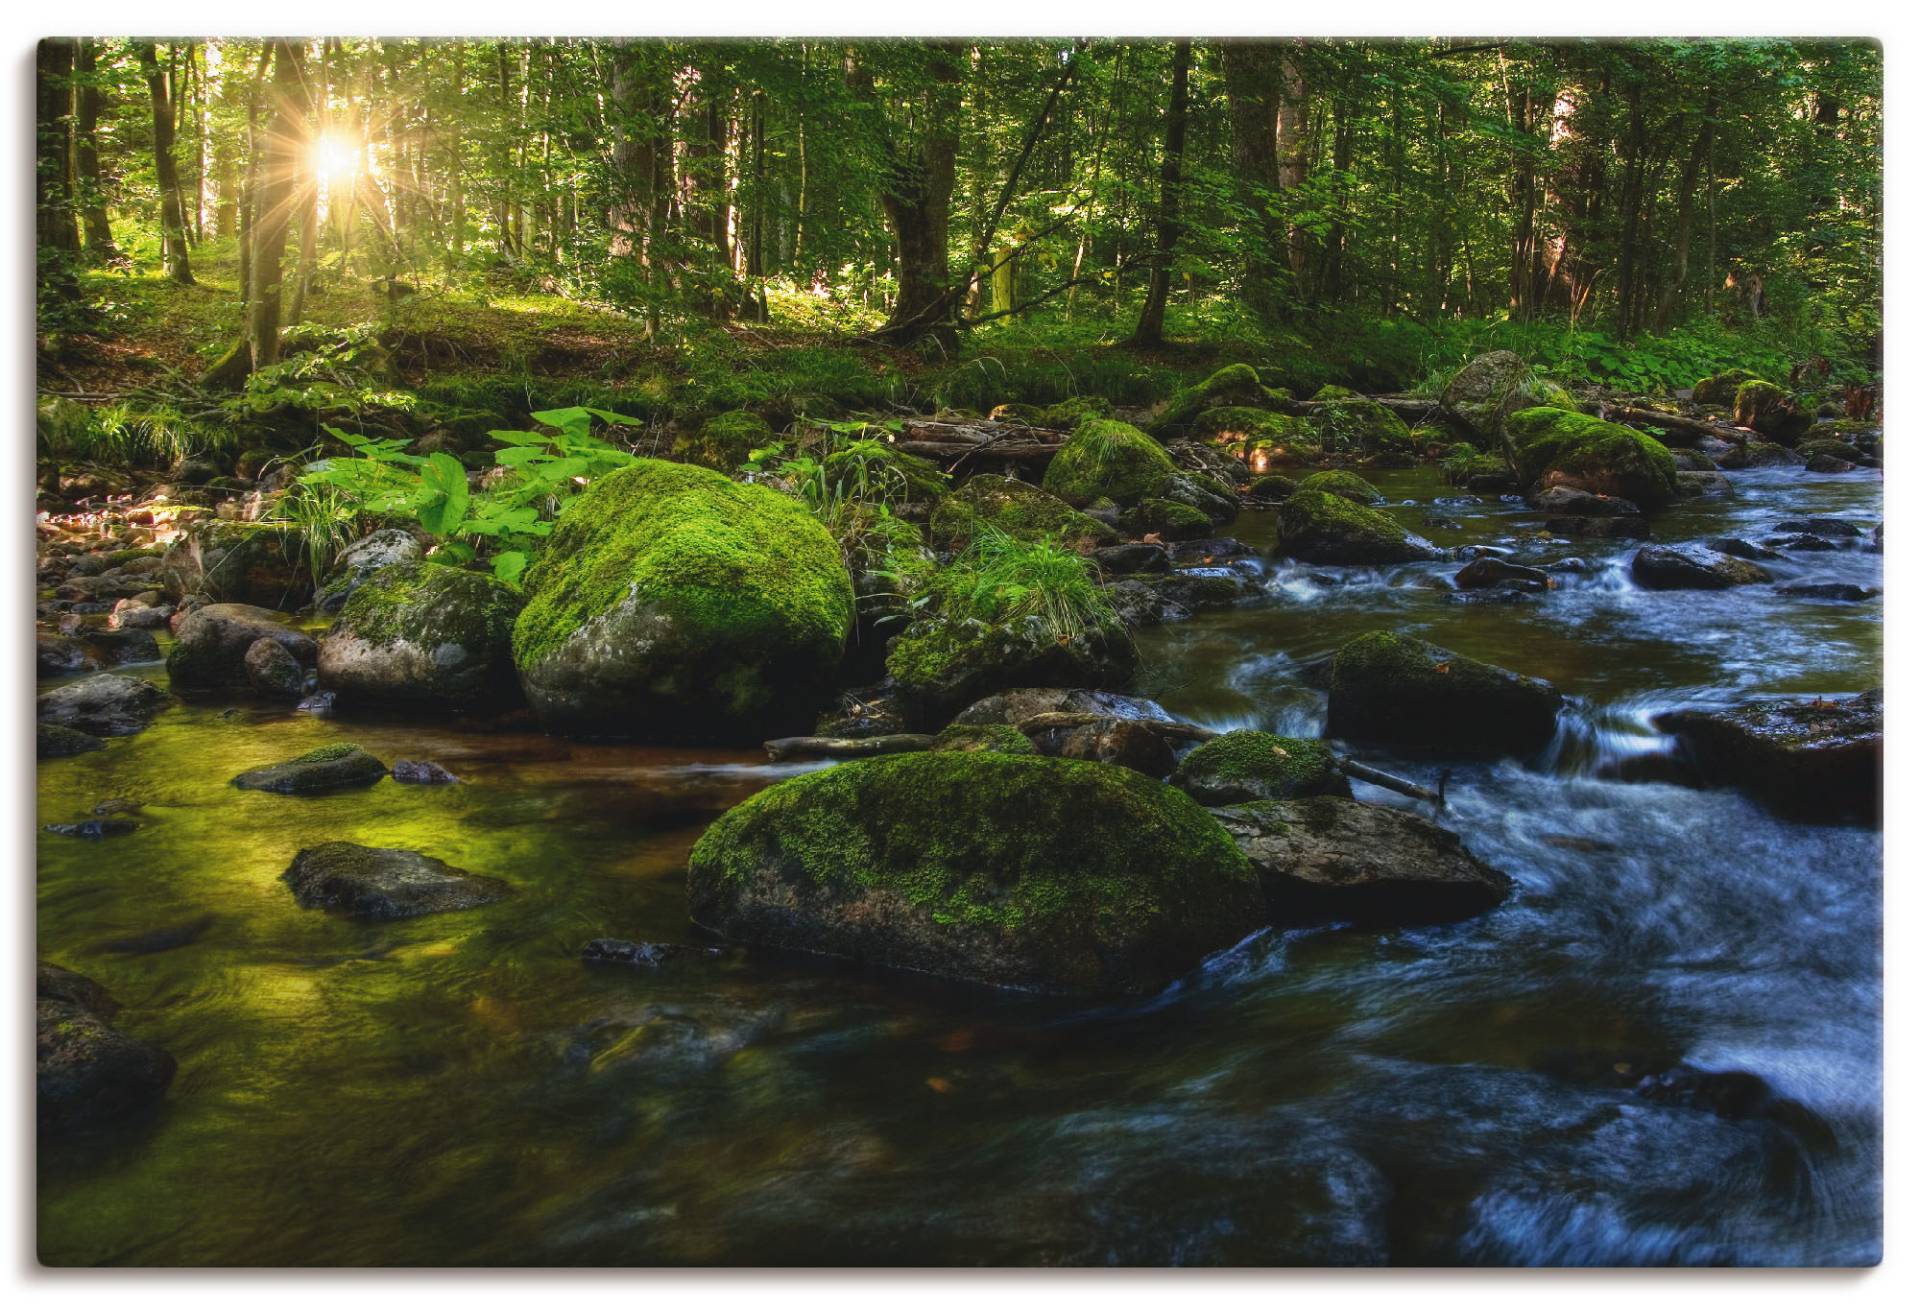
x,y
1015,871
1721,388
1344,484
1013,507
362,559
424,635
941,663
1771,410
1389,688
1491,388
1332,858
1329,530
1111,460
1554,447
259,563
673,604
1237,385
1819,759
1253,765
1342,421
210,647
1261,437
722,442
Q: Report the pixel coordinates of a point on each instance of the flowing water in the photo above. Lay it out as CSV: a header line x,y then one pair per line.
x,y
461,1089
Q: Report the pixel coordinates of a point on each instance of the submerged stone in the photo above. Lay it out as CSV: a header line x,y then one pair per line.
x,y
1013,871
337,765
385,882
1818,759
1389,688
86,1072
1253,765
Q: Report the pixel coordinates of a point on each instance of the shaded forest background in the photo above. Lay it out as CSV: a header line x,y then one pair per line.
x,y
673,227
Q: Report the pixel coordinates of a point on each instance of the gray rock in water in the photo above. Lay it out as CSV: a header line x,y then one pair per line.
x,y
1742,549
385,882
87,1072
212,643
421,772
97,828
273,671
55,742
360,560
644,955
1565,500
1818,759
1021,704
1661,567
1489,572
108,706
1827,592
1827,527
338,765
1332,858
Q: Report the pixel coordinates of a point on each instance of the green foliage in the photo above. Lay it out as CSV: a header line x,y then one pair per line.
x,y
1035,588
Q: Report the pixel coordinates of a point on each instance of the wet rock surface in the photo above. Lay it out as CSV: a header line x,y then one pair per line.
x,y
1815,758
324,769
385,882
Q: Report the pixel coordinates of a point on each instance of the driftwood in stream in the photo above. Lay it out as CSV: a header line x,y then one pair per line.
x,y
1669,421
1392,782
782,749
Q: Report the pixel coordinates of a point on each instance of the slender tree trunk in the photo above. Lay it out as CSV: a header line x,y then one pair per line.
x,y
56,232
1253,82
917,200
1672,293
274,198
172,224
88,102
1153,313
1290,139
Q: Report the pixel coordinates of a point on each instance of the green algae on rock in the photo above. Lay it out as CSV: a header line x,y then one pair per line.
x,y
1721,388
674,604
723,442
1771,410
1345,422
1346,484
324,769
1014,871
1014,507
1551,446
983,738
1492,387
1111,460
1253,765
1319,527
424,634
1235,385
1389,688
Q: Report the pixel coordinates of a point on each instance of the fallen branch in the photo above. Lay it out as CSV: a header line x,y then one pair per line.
x,y
1393,782
1171,730
1669,421
781,749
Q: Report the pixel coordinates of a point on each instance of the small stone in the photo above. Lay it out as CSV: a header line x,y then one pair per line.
x,y
385,882
339,765
421,772
644,955
95,828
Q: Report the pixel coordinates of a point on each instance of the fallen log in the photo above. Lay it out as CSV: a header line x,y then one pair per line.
x,y
1669,421
782,749
1003,452
1171,730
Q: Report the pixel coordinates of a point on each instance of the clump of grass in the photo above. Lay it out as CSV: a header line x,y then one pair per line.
x,y
1041,588
327,519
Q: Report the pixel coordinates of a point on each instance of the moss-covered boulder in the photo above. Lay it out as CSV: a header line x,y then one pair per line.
x,y
1838,449
361,559
1064,415
673,604
1262,437
941,662
1721,388
1272,489
424,635
1320,527
1108,459
1345,422
1551,446
1237,385
1014,871
873,469
1389,688
722,442
1027,512
1494,386
1166,519
1771,410
984,738
210,646
324,769
1253,765
1345,484
259,563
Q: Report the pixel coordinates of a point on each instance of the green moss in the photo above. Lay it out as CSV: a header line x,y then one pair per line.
x,y
1388,687
1170,520
1345,484
1605,458
1344,422
983,738
745,564
1272,489
1237,385
1811,448
1017,508
330,752
873,468
1108,459
1252,765
429,603
1321,527
723,441
978,839
1720,389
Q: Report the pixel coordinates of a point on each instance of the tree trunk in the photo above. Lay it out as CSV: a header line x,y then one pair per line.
x,y
1153,313
273,201
173,232
1676,286
58,236
1290,138
1253,81
917,201
88,101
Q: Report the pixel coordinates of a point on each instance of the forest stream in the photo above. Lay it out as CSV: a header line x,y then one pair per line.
x,y
461,1089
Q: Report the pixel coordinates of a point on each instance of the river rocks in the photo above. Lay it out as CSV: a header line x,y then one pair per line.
x,y
1342,421
1111,460
1491,572
1161,518
422,772
1551,446
1133,559
1831,592
1720,389
1702,484
86,1072
384,882
1494,386
1742,549
92,649
943,661
424,635
1209,461
1344,484
362,559
674,604
256,563
211,645
1318,527
272,671
1027,512
1689,567
1237,385
1813,758
1388,688
107,706
1133,743
324,769
1272,489
1013,871
1331,858
1826,464
1771,410
1758,454
650,956
54,742
1252,765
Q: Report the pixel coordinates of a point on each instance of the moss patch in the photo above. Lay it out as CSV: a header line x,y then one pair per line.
x,y
1320,527
1603,458
984,738
723,441
1344,484
1017,508
1252,765
1108,459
